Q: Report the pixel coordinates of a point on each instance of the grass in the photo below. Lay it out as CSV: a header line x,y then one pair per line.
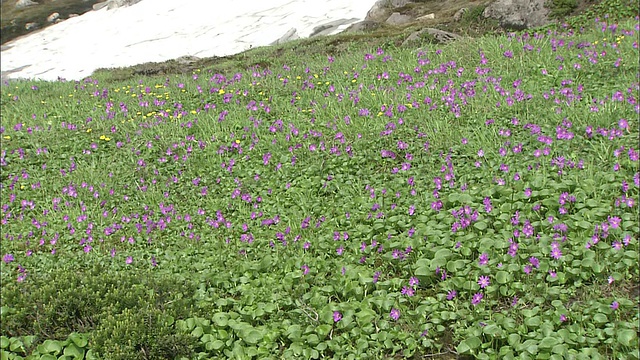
x,y
345,199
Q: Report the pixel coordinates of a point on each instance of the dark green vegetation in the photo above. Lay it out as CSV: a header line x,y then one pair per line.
x,y
331,199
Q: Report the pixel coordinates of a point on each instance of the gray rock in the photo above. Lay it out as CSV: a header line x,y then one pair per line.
x,y
73,15
518,14
400,3
21,4
30,26
329,27
292,34
398,19
363,26
114,4
459,14
53,17
378,11
427,17
100,5
439,36
187,60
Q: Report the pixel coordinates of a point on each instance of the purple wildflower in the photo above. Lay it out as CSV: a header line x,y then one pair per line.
x,y
395,314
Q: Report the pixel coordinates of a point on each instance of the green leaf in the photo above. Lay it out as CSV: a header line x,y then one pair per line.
x,y
221,319
423,271
74,351
503,277
252,337
294,332
463,348
532,321
215,345
480,225
600,318
4,342
627,337
78,339
549,342
514,339
365,316
323,330
51,347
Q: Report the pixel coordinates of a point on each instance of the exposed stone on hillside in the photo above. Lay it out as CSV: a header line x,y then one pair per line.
x,y
114,4
398,19
53,17
21,4
459,14
292,34
379,11
330,27
363,26
439,36
518,14
400,3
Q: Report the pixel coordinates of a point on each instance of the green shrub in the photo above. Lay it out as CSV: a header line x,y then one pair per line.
x,y
140,334
53,305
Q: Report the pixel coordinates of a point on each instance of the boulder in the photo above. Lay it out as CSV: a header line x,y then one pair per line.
x,y
518,14
73,15
114,4
328,28
53,17
30,26
427,17
363,26
378,11
99,5
292,34
187,60
398,19
400,3
459,14
439,36
21,4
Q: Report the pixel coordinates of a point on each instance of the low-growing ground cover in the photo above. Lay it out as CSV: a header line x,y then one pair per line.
x,y
478,198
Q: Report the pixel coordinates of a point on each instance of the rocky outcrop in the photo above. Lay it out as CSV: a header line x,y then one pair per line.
x,y
459,14
21,4
328,28
292,34
114,4
430,35
398,19
518,14
53,17
379,11
363,26
400,3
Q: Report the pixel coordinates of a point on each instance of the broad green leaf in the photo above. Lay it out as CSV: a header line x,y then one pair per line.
x,y
78,339
532,321
74,351
503,277
627,337
600,318
220,319
51,347
423,271
215,345
252,337
548,342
